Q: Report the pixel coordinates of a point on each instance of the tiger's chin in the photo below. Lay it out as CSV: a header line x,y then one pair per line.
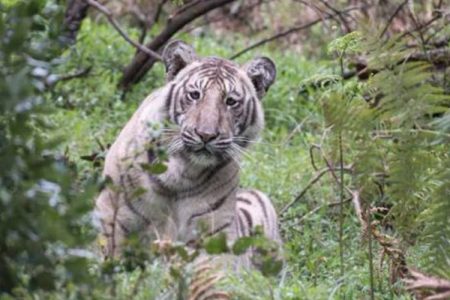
x,y
205,158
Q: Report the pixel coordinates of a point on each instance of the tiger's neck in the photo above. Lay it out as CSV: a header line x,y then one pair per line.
x,y
200,195
183,177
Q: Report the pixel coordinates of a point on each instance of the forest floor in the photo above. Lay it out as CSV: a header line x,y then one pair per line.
x,y
91,111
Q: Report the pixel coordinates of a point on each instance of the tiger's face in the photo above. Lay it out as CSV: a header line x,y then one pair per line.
x,y
215,103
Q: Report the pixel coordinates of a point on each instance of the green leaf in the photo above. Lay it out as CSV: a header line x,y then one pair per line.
x,y
139,191
271,267
156,168
242,244
216,244
349,43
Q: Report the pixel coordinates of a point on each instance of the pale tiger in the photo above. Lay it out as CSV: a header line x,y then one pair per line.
x,y
213,110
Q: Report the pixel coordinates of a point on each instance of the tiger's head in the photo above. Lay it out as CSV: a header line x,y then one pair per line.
x,y
215,103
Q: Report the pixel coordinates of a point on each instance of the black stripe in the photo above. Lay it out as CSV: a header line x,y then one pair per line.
x,y
151,156
237,228
230,69
248,217
193,242
254,111
218,229
217,296
211,207
246,122
136,212
123,227
244,200
201,290
241,225
169,98
160,187
199,176
242,143
130,205
104,226
199,187
261,202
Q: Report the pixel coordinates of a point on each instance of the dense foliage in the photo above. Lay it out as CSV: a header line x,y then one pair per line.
x,y
382,145
42,217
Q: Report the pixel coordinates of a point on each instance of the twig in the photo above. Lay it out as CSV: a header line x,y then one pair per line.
x,y
386,132
51,81
311,156
319,12
295,131
359,212
223,17
308,186
316,209
113,232
390,245
419,28
435,288
339,14
289,31
399,8
370,251
341,206
145,24
116,25
139,280
421,36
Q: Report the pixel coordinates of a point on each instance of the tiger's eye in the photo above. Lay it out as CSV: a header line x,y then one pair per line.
x,y
230,101
195,95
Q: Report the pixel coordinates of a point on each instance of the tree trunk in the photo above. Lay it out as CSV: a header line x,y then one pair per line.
x,y
76,11
142,62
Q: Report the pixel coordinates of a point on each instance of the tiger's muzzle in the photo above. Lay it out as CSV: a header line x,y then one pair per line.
x,y
205,143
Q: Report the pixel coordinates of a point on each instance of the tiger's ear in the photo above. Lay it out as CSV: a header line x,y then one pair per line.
x,y
177,55
262,73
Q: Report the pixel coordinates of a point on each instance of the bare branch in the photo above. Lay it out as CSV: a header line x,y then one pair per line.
x,y
53,80
339,14
320,12
116,25
309,185
434,288
358,209
146,24
290,31
142,63
76,11
390,246
316,209
399,8
220,18
422,26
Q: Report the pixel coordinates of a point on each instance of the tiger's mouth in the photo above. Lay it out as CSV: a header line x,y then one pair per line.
x,y
206,154
205,150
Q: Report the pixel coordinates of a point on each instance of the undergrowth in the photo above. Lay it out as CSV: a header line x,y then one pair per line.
x,y
88,112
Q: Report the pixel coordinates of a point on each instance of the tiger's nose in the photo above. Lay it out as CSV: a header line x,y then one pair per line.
x,y
206,135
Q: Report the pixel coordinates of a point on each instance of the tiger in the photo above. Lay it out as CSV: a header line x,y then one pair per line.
x,y
208,113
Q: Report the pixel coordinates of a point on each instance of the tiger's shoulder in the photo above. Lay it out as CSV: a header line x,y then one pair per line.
x,y
132,139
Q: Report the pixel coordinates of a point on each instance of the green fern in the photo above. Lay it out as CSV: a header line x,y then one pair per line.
x,y
395,131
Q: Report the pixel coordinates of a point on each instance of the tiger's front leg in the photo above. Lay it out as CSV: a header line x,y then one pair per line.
x,y
114,226
121,215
